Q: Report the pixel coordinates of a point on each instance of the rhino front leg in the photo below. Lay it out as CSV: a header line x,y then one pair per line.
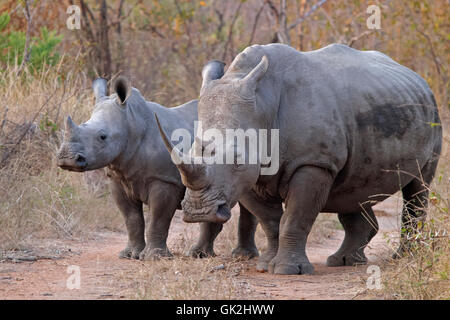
x,y
205,244
163,201
268,215
134,222
307,194
246,247
246,237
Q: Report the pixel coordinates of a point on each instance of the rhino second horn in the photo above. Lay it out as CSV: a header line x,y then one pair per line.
x,y
250,81
70,125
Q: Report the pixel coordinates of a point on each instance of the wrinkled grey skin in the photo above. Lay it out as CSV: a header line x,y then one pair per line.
x,y
122,135
355,127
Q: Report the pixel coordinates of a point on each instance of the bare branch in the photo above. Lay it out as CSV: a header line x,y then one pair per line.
x,y
306,15
121,17
105,52
221,21
436,60
89,29
255,23
8,153
119,14
283,32
27,49
356,38
186,25
230,32
274,9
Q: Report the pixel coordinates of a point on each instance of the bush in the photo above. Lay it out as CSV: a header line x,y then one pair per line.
x,y
42,48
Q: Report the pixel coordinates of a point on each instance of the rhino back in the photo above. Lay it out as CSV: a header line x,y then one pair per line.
x,y
147,159
358,114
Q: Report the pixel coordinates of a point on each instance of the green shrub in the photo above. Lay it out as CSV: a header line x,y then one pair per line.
x,y
42,48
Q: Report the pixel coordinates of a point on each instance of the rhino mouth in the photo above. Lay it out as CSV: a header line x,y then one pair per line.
x,y
77,163
219,213
223,212
75,169
206,205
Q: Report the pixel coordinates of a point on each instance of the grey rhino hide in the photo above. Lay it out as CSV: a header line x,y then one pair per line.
x,y
122,135
354,128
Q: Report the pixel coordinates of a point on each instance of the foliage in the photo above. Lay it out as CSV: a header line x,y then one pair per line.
x,y
162,46
42,48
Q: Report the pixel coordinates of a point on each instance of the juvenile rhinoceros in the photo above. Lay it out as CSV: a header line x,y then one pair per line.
x,y
354,128
122,135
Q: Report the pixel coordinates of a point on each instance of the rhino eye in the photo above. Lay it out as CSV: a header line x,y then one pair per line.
x,y
102,136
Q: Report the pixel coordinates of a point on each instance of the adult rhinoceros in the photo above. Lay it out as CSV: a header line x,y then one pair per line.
x,y
354,128
122,135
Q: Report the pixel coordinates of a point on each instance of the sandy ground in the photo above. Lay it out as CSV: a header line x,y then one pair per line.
x,y
45,276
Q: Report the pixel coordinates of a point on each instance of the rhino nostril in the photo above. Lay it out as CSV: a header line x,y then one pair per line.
x,y
80,160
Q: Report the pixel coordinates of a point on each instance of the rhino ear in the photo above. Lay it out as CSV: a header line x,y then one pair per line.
x,y
213,70
100,87
123,89
250,81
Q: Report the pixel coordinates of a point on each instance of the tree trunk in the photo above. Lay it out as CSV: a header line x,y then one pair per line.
x,y
103,41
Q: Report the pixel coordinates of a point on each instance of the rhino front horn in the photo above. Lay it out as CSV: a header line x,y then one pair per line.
x,y
186,169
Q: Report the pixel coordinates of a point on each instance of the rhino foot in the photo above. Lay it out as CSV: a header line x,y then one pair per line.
x,y
262,266
264,259
403,250
202,252
245,253
150,254
290,266
131,252
350,259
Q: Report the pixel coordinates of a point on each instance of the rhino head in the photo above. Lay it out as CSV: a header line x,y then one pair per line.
x,y
213,188
100,140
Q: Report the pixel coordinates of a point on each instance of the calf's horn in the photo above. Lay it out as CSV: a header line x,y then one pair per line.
x,y
70,126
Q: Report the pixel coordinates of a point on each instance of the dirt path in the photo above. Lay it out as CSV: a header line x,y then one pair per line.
x,y
104,276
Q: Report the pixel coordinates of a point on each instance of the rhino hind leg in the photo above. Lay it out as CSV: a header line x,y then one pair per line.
x,y
246,247
415,201
360,228
162,206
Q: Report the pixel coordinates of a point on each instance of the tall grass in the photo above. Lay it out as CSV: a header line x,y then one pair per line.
x,y
424,271
37,199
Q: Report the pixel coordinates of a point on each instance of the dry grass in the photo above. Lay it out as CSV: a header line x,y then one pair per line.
x,y
212,278
37,199
423,273
187,278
